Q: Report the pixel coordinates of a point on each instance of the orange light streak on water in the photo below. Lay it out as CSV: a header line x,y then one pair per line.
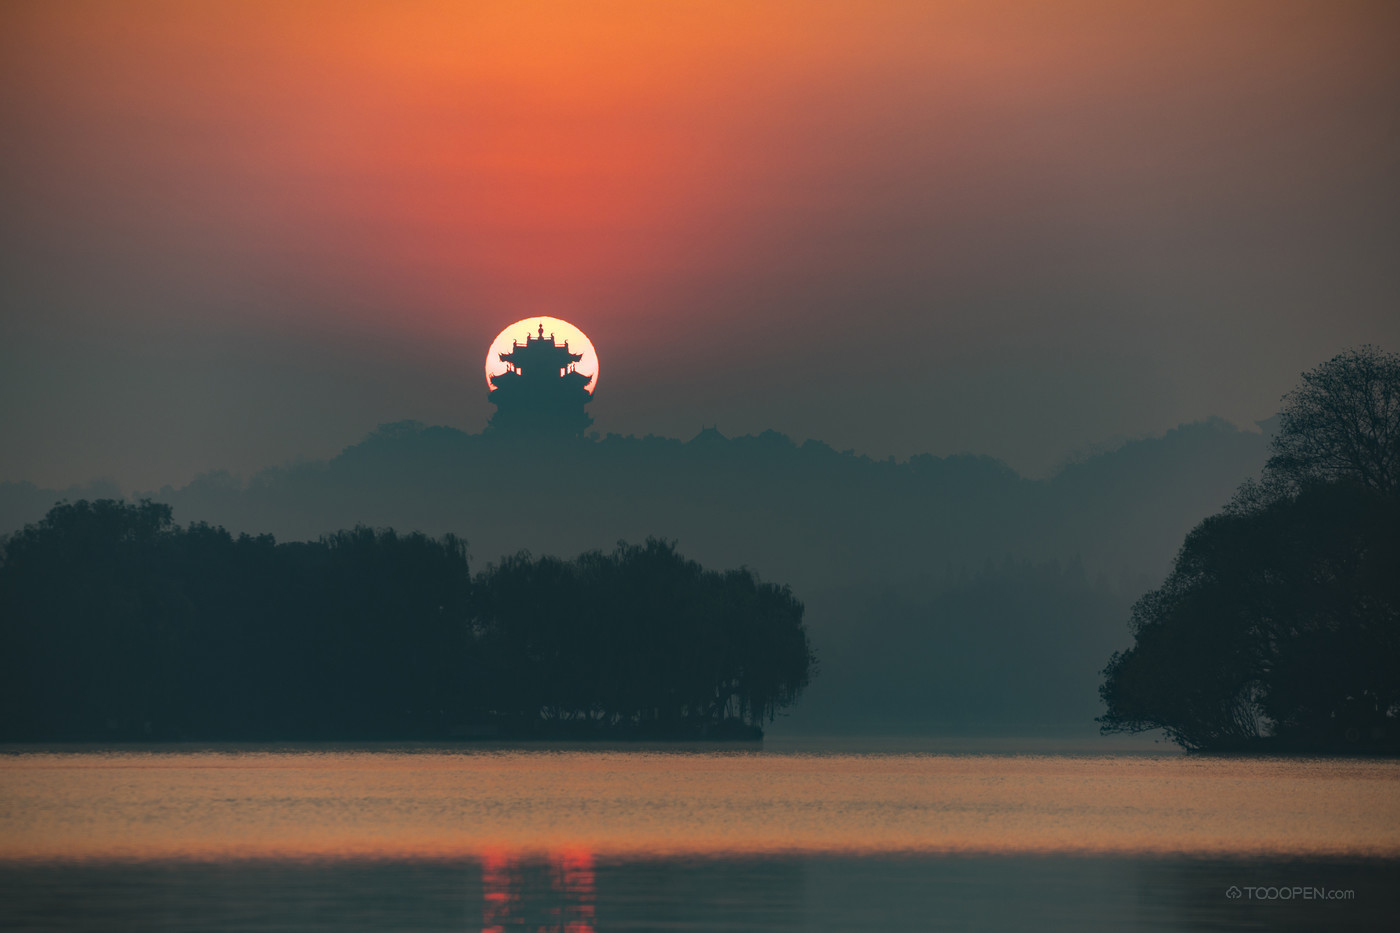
x,y
497,893
502,805
572,892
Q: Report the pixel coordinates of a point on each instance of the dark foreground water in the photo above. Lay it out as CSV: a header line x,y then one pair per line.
x,y
792,893
580,841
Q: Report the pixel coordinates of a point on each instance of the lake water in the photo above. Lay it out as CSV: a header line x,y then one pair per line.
x,y
582,840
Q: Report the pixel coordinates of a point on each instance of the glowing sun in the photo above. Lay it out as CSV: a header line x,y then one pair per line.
x,y
562,333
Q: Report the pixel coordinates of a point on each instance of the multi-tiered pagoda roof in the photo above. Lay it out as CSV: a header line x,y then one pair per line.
x,y
541,389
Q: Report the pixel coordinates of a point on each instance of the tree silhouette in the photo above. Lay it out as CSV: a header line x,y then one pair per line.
x,y
115,623
1279,625
644,638
1343,424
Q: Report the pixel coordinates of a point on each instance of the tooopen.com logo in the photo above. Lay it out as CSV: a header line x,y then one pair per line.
x,y
1297,892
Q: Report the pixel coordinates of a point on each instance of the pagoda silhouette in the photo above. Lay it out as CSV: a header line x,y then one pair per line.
x,y
540,392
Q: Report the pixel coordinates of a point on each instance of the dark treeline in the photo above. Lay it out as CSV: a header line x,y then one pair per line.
x,y
1279,627
116,623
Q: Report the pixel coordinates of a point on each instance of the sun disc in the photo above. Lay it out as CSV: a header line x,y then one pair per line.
x,y
562,332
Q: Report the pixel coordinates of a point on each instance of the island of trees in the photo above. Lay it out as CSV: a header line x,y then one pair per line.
x,y
1279,626
118,624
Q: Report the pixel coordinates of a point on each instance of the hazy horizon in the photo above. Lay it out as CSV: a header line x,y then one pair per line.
x,y
101,481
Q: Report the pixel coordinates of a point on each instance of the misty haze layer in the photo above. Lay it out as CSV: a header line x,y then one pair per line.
x,y
942,594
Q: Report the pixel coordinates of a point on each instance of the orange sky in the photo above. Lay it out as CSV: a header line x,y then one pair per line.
x,y
566,157
536,160
988,179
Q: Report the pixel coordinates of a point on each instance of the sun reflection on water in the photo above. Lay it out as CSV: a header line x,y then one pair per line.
x,y
512,899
